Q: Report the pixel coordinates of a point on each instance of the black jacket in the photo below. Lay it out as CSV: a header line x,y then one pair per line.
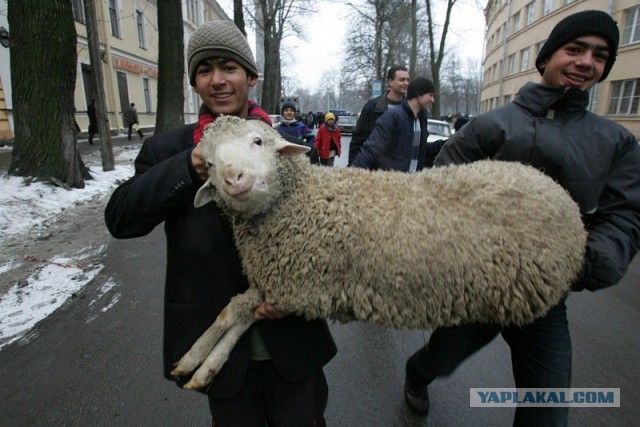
x,y
371,112
390,145
596,160
203,266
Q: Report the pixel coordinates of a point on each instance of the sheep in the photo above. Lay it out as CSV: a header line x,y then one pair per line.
x,y
493,242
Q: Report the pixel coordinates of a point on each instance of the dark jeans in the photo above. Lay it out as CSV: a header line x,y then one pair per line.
x,y
327,162
540,358
267,398
139,131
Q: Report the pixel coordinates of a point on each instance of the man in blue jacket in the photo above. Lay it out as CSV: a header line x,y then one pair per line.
x,y
399,138
596,160
397,83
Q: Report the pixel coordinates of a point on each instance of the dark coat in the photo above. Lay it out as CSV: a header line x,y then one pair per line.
x,y
390,145
371,112
596,160
203,266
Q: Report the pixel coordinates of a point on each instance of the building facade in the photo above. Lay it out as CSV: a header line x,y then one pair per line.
x,y
517,29
128,34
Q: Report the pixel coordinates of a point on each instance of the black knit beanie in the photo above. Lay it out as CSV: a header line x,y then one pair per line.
x,y
588,22
419,86
219,39
286,105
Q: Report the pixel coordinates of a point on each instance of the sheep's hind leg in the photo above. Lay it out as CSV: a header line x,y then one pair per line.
x,y
218,356
238,311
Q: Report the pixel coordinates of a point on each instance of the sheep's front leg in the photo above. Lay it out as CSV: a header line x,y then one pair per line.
x,y
239,311
218,356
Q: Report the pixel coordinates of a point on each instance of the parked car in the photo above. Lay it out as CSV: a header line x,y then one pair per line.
x,y
275,119
438,130
339,112
347,124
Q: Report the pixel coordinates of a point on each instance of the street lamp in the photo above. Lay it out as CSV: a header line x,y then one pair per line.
x,y
4,37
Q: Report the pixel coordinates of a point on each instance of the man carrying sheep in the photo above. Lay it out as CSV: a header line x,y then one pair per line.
x,y
274,375
594,159
399,138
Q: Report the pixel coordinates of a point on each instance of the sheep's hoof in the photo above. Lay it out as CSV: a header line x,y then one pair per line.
x,y
179,371
193,385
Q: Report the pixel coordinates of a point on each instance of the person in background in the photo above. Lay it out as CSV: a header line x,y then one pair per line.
x,y
93,120
399,139
596,160
397,83
458,121
292,126
274,375
131,118
328,140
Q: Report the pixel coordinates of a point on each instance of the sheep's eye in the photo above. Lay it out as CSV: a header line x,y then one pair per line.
x,y
257,140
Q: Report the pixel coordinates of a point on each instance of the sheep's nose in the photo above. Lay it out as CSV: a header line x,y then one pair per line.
x,y
232,176
236,181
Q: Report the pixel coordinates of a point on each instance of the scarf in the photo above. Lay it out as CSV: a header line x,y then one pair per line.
x,y
331,128
206,117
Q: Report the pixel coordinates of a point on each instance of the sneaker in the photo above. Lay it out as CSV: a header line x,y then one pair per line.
x,y
417,398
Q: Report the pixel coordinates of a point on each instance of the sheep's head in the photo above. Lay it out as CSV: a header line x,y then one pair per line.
x,y
242,159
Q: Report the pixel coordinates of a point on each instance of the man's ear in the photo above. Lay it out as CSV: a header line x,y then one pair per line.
x,y
252,81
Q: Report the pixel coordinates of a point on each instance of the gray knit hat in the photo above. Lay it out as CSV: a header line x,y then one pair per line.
x,y
587,22
219,39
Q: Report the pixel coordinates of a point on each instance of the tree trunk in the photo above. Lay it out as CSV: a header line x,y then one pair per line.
x,y
170,113
238,15
97,84
43,71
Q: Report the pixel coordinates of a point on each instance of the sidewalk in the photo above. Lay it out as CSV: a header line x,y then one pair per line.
x,y
83,146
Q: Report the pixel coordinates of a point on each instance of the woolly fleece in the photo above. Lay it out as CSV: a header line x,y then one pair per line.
x,y
490,242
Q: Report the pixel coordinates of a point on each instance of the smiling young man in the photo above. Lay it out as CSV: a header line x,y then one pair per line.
x,y
274,374
596,160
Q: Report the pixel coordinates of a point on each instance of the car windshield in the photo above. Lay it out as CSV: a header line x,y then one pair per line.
x,y
347,120
441,129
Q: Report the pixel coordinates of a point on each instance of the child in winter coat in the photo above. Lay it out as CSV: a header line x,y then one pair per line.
x,y
328,140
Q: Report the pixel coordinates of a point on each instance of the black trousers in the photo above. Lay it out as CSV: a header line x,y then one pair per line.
x,y
268,399
540,358
139,131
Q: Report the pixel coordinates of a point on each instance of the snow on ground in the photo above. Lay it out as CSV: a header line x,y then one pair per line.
x,y
27,206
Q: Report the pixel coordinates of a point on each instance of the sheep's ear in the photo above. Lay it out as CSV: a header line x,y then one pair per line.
x,y
286,148
204,195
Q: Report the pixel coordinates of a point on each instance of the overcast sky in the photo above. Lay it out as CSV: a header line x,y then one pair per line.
x,y
325,30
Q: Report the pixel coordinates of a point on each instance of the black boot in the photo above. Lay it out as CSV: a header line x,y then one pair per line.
x,y
417,398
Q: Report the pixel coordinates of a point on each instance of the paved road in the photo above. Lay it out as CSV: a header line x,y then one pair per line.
x,y
89,364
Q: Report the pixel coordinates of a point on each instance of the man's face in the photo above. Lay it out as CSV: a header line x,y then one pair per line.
x,y
579,63
288,113
224,86
426,101
399,84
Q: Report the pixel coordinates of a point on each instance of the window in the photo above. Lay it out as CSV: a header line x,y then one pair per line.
x,y
516,22
512,64
78,10
631,30
192,8
147,93
113,16
524,63
140,22
547,7
531,12
625,96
